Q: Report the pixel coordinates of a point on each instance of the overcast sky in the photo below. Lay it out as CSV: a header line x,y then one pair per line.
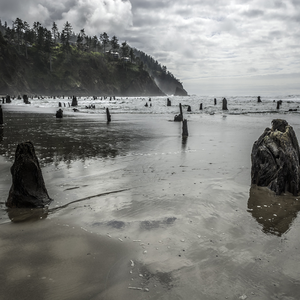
x,y
220,47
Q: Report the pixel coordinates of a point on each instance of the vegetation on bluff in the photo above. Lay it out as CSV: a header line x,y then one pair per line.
x,y
41,61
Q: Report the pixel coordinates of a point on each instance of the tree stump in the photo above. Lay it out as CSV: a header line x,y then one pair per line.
x,y
184,128
108,116
59,114
28,187
275,159
74,101
279,102
178,118
25,99
224,104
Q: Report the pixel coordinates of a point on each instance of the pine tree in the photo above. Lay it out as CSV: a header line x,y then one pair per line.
x,y
104,38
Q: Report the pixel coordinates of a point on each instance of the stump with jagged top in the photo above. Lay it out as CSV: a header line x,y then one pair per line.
x,y
28,187
275,159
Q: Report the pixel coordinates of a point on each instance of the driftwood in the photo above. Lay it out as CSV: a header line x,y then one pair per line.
x,y
275,159
28,187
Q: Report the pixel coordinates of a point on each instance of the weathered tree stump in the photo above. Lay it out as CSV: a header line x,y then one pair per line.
x,y
279,102
275,159
224,104
168,102
108,116
180,109
1,115
59,114
25,99
28,187
184,128
178,118
74,101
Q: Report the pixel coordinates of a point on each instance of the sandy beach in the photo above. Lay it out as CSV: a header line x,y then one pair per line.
x,y
138,212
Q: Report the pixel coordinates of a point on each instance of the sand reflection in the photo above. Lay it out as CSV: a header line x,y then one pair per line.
x,y
17,215
274,213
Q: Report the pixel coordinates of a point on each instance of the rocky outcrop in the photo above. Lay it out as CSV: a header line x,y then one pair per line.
x,y
275,159
28,187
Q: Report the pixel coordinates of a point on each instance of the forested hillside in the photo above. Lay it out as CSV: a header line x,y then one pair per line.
x,y
48,61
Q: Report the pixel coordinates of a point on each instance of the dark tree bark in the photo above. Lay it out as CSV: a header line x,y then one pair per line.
x,y
275,159
28,187
224,104
74,101
59,113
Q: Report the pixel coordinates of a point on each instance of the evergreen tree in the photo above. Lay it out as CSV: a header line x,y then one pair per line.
x,y
18,25
55,32
124,49
36,26
114,43
66,36
104,38
95,43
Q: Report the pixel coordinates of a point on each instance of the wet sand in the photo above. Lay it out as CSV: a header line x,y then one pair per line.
x,y
140,213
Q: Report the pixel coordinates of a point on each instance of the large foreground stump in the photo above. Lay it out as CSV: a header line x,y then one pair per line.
x,y
275,159
28,187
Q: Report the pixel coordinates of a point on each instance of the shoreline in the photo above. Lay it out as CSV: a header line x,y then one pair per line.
x,y
179,227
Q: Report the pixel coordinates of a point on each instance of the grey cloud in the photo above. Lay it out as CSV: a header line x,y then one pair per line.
x,y
253,13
